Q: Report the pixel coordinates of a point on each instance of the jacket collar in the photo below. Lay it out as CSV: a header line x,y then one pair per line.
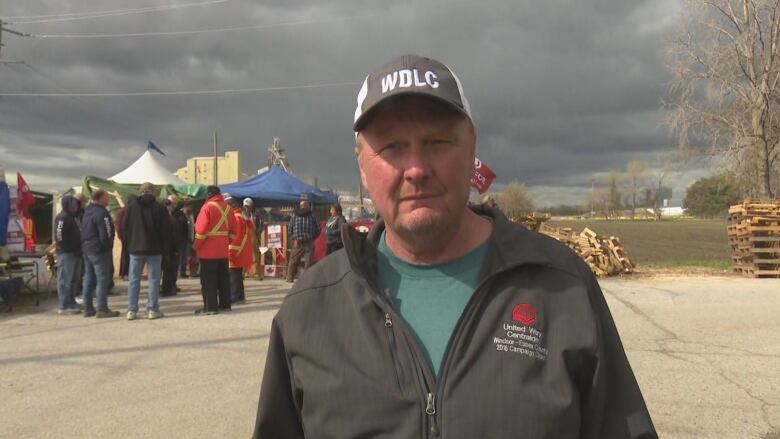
x,y
510,245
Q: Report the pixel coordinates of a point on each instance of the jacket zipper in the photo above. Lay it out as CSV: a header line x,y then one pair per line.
x,y
430,410
393,348
424,373
430,387
467,311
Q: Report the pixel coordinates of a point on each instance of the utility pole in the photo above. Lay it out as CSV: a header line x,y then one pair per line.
x,y
10,31
215,159
592,196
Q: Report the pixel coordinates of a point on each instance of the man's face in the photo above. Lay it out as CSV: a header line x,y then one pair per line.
x,y
416,157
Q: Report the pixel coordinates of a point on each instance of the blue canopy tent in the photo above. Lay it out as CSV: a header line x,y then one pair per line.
x,y
276,187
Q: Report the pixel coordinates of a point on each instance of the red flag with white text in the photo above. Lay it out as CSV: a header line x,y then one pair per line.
x,y
483,176
24,194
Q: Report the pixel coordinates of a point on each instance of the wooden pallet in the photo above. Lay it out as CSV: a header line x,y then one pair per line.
x,y
754,236
606,256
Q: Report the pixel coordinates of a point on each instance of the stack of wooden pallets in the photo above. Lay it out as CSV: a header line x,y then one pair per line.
x,y
754,236
533,221
605,255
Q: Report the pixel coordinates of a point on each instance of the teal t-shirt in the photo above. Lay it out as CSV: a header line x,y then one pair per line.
x,y
430,298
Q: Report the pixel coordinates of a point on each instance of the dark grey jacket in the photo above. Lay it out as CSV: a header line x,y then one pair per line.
x,y
97,230
534,355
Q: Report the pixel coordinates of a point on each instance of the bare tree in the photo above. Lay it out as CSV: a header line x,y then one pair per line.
x,y
726,75
514,199
613,179
666,165
597,202
636,173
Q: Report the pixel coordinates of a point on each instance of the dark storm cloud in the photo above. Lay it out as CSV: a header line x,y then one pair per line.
x,y
561,91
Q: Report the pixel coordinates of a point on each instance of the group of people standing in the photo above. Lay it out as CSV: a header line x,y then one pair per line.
x,y
160,237
225,232
304,228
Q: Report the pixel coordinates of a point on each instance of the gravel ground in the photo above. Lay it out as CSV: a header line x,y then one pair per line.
x,y
706,352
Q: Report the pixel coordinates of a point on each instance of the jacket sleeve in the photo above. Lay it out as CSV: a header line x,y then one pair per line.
x,y
123,225
278,415
340,224
59,229
234,227
238,228
201,226
318,226
106,231
118,224
166,228
613,406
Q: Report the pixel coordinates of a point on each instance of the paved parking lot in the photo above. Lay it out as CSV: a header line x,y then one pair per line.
x,y
706,352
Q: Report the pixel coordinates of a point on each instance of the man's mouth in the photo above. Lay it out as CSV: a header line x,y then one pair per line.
x,y
419,197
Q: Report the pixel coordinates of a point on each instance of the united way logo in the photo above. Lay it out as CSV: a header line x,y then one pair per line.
x,y
524,313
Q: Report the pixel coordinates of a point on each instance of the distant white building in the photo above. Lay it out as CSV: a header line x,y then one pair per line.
x,y
669,211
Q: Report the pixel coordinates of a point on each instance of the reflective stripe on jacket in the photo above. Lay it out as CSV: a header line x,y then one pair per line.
x,y
212,229
240,249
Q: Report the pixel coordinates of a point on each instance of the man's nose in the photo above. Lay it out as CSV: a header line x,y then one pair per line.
x,y
418,163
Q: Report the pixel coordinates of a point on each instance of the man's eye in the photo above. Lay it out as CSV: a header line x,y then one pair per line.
x,y
440,142
389,148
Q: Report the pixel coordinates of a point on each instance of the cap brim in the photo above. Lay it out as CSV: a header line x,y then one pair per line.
x,y
378,106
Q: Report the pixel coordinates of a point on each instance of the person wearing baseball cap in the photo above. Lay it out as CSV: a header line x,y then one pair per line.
x,y
447,320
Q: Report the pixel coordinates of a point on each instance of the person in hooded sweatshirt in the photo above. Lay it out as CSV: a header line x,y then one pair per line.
x,y
67,237
146,227
303,229
97,242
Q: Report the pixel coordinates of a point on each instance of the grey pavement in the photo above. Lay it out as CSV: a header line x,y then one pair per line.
x,y
706,352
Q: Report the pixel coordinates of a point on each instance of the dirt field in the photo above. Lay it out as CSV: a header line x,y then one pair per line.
x,y
658,243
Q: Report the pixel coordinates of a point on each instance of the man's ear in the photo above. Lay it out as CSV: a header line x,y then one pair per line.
x,y
360,168
358,148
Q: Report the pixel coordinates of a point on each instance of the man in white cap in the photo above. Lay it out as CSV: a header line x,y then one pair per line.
x,y
446,321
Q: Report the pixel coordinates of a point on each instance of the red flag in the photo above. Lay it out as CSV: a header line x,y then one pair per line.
x,y
24,194
483,176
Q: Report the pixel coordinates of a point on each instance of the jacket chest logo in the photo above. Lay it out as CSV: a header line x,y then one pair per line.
x,y
520,336
524,313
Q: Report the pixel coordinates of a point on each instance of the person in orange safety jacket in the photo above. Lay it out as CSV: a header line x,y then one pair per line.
x,y
240,254
214,228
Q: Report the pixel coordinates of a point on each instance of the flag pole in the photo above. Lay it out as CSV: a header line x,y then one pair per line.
x,y
215,159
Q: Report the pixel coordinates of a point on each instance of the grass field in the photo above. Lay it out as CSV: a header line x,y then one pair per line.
x,y
666,244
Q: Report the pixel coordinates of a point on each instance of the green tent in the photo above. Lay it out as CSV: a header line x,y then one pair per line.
x,y
194,192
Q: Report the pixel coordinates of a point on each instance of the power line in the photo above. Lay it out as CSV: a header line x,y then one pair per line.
x,y
177,93
116,13
75,14
10,31
196,31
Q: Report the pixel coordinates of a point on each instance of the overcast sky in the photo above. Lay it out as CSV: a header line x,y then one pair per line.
x,y
561,91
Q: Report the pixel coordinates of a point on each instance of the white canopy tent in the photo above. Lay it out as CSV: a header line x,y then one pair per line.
x,y
146,169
